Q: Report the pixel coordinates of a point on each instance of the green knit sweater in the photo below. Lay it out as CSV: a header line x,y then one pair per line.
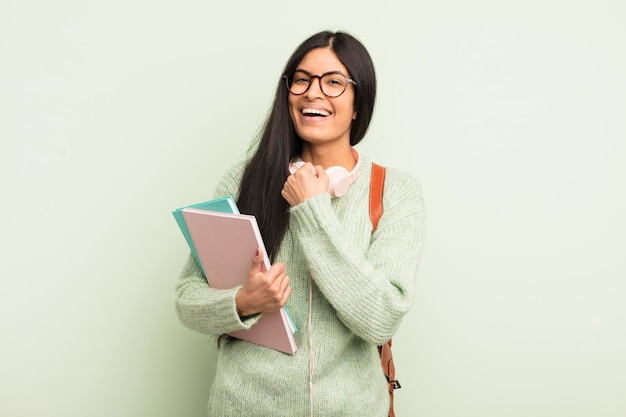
x,y
362,285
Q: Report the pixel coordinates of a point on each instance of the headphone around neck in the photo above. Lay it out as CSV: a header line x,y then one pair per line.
x,y
340,178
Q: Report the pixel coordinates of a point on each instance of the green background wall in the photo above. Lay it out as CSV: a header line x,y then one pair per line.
x,y
511,114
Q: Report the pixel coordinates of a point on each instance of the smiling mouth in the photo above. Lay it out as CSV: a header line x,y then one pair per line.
x,y
315,112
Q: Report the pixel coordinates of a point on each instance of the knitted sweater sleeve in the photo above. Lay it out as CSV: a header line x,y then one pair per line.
x,y
199,307
370,290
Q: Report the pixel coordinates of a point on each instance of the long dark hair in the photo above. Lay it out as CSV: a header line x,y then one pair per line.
x,y
278,142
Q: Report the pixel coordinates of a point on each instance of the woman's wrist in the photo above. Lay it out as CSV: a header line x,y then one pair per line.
x,y
241,304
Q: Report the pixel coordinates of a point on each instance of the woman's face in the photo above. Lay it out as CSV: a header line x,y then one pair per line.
x,y
317,118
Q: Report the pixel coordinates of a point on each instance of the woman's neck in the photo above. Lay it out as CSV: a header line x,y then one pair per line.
x,y
328,156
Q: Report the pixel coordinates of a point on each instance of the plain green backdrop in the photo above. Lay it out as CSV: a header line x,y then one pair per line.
x,y
510,113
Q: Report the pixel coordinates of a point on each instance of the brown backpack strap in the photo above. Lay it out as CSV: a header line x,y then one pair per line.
x,y
386,358
376,194
376,211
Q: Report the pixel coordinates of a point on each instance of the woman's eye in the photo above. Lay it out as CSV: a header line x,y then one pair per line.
x,y
334,81
300,77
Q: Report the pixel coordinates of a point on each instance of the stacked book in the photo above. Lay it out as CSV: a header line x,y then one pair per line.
x,y
224,242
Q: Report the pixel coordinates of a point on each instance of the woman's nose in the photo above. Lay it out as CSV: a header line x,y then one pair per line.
x,y
315,88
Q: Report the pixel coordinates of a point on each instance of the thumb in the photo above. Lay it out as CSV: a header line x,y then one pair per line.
x,y
322,175
257,261
319,171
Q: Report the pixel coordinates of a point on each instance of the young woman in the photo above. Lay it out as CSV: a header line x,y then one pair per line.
x,y
345,287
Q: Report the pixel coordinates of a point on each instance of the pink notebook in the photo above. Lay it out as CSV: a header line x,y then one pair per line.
x,y
226,244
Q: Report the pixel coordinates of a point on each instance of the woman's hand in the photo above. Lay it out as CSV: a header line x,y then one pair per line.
x,y
263,292
308,181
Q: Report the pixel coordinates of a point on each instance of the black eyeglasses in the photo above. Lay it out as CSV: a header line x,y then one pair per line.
x,y
332,83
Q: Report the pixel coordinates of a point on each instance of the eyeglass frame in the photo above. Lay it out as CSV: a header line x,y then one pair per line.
x,y
319,80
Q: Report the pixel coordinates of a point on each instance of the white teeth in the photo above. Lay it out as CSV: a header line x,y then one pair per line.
x,y
318,112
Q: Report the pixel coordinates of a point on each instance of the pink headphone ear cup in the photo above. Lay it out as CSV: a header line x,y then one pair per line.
x,y
339,180
294,166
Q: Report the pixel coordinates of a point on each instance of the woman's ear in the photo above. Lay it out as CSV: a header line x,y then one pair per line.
x,y
354,116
